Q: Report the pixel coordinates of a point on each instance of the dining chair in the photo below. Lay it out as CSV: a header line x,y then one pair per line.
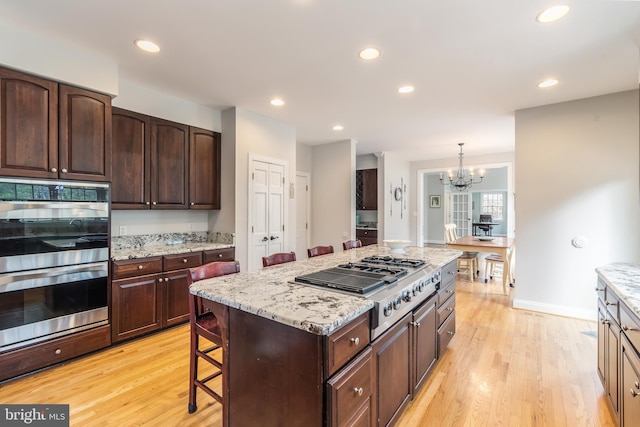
x,y
351,244
319,250
212,327
486,228
468,261
278,258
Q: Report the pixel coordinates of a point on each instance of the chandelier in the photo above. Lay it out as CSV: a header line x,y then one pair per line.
x,y
460,181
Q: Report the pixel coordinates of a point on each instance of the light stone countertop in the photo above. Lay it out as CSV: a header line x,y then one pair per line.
x,y
164,249
268,292
624,279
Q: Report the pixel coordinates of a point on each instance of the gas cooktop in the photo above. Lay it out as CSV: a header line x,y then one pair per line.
x,y
394,261
354,277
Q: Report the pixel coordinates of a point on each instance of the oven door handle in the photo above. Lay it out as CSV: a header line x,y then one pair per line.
x,y
21,280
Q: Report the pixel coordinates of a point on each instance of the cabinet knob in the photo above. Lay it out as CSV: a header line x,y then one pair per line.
x,y
58,351
219,255
54,170
140,267
184,260
610,303
450,308
599,289
358,390
633,392
63,170
160,280
166,279
155,203
416,324
192,203
148,203
355,341
626,328
450,332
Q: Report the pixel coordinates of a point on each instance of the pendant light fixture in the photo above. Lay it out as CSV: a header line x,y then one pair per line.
x,y
461,180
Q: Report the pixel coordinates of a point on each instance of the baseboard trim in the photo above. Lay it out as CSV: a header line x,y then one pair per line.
x,y
558,310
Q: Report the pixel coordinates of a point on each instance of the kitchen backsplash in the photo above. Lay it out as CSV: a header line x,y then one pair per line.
x,y
141,240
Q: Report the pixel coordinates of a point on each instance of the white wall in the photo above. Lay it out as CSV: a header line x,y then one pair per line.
x,y
333,194
397,218
260,136
303,158
577,175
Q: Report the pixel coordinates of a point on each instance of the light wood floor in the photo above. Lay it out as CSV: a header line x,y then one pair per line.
x,y
504,367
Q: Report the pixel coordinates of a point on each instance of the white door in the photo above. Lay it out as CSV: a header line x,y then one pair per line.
x,y
459,207
267,211
302,214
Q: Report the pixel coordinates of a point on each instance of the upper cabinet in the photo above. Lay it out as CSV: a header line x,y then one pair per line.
x,y
367,189
49,130
160,164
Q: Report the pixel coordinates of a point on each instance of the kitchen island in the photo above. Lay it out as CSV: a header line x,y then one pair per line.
x,y
298,355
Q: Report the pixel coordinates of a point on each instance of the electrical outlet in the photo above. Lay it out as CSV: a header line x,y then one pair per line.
x,y
123,230
192,226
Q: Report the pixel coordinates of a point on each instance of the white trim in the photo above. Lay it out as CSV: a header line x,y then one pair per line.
x,y
256,157
558,310
308,218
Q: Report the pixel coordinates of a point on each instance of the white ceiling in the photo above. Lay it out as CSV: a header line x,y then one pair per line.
x,y
473,63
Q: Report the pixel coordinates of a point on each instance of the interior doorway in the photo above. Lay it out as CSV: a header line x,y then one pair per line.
x,y
303,217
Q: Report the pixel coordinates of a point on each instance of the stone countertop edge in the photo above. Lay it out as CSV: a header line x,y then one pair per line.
x,y
159,250
624,279
269,293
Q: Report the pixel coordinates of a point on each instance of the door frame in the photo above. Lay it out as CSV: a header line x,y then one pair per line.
x,y
285,234
307,220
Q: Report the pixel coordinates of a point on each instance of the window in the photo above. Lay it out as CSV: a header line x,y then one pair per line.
x,y
493,204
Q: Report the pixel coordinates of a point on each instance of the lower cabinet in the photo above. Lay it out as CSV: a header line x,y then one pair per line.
x,y
350,393
152,293
630,378
367,236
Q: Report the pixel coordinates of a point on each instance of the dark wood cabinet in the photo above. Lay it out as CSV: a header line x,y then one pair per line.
x,y
85,135
50,130
367,189
159,164
424,342
169,164
175,298
630,385
136,306
204,169
131,159
225,254
350,393
367,236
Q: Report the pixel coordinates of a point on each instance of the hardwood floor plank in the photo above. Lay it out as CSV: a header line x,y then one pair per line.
x,y
504,367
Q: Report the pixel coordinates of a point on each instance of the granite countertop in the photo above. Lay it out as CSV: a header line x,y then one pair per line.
x,y
268,292
164,249
624,279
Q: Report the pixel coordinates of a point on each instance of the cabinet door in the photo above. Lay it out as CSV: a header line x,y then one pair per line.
x,y
425,341
85,135
349,393
602,336
136,306
370,189
169,162
630,377
204,169
130,157
28,126
612,363
392,358
176,297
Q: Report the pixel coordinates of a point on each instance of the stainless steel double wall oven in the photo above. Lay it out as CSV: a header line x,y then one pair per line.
x,y
54,251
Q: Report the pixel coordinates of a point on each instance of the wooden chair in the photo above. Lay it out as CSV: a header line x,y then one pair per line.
x,y
468,261
319,250
278,258
486,228
351,244
212,326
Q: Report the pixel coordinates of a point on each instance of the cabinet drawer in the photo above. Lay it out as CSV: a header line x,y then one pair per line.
x,y
612,302
446,309
350,392
181,261
446,292
446,332
600,290
136,267
22,360
366,233
449,273
630,325
226,254
346,342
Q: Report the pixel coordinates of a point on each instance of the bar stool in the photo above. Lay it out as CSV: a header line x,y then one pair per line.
x,y
278,258
212,326
489,263
351,244
319,250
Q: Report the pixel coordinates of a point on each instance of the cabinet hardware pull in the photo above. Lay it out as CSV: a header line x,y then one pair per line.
x,y
184,260
58,351
192,203
140,267
599,290
416,324
450,308
610,303
154,203
637,385
633,392
54,170
358,390
450,332
626,328
449,291
451,273
148,203
63,170
166,279
355,341
264,239
219,255
160,280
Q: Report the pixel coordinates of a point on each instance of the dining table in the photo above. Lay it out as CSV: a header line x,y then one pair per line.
x,y
504,246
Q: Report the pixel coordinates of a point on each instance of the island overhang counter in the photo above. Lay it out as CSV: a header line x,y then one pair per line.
x,y
293,353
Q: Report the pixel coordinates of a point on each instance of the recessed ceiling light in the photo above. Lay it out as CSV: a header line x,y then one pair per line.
x,y
548,83
552,14
369,53
147,45
277,102
338,127
405,89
